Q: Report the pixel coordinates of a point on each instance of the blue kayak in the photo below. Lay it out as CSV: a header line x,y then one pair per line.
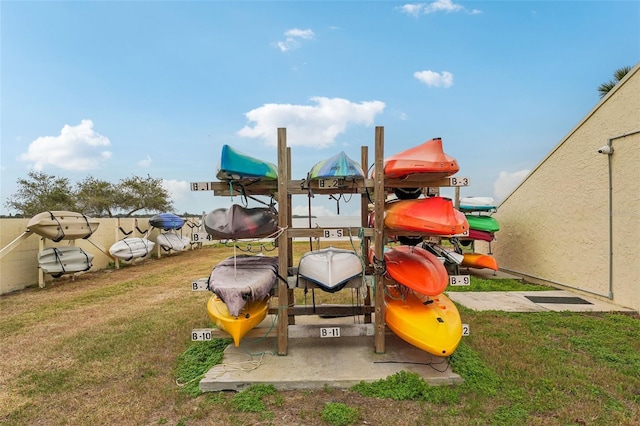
x,y
234,165
166,221
338,166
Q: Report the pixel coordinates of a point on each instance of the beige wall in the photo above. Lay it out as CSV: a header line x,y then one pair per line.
x,y
555,225
19,268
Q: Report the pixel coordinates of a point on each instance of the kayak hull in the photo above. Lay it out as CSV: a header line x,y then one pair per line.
x,y
61,225
238,222
480,261
235,165
330,268
415,268
338,166
434,327
434,215
57,261
428,157
252,314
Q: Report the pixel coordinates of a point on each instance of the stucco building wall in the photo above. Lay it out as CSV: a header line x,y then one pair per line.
x,y
555,227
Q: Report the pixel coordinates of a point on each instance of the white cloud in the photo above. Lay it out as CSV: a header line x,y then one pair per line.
x,y
146,162
446,6
433,79
180,193
309,125
76,148
293,37
507,182
315,211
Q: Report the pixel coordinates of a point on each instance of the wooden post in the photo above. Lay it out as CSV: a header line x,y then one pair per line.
x,y
364,222
283,242
40,271
379,238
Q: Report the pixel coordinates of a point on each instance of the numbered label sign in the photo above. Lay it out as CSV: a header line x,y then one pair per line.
x,y
202,186
459,181
465,330
330,332
459,280
201,334
200,284
201,237
333,233
328,183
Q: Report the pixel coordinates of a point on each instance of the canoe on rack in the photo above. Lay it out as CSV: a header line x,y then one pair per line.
x,y
476,204
427,158
235,165
434,215
479,261
432,324
482,223
131,248
238,279
171,241
414,267
238,222
61,225
251,314
57,261
330,268
166,221
474,234
340,166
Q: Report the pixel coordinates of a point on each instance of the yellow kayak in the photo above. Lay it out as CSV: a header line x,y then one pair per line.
x,y
252,314
432,324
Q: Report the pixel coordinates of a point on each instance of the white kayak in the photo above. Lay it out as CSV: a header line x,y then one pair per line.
x,y
171,241
60,225
330,268
57,261
131,248
474,204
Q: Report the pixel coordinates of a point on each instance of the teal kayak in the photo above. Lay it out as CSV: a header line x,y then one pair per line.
x,y
338,166
482,223
235,165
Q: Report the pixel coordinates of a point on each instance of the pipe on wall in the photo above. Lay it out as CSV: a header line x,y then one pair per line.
x,y
609,144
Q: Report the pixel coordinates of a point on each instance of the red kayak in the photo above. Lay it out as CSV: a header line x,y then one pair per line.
x,y
434,215
416,268
426,158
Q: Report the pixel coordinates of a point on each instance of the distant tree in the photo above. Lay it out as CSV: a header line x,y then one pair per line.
x,y
618,75
136,193
96,197
40,192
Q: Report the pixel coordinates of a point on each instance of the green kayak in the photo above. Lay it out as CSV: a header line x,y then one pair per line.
x,y
482,223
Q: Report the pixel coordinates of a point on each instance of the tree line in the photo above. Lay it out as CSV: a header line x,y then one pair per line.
x,y
94,197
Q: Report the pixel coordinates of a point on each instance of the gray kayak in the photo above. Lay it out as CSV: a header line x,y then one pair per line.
x,y
238,279
57,261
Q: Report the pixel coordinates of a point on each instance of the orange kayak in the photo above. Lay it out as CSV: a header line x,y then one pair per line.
x,y
434,215
431,324
480,261
426,158
416,268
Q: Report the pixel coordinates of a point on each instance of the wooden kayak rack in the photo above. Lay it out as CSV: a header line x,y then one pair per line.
x,y
282,190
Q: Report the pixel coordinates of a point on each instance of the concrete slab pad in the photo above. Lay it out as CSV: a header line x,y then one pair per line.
x,y
316,363
516,301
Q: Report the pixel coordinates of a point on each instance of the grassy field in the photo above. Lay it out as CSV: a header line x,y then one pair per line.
x,y
111,347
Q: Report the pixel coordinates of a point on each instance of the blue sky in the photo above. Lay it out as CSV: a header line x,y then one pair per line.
x,y
115,89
